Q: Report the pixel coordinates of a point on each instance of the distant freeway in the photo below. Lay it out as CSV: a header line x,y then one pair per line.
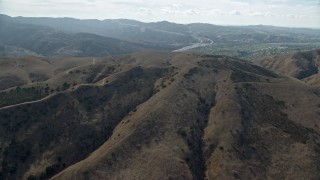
x,y
202,42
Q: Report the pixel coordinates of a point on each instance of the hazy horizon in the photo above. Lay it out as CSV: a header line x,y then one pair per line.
x,y
282,13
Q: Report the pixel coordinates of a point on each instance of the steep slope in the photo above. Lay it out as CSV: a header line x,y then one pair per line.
x,y
313,80
298,64
270,135
166,116
37,137
217,120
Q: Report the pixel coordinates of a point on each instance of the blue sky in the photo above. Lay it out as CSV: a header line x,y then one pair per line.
x,y
289,13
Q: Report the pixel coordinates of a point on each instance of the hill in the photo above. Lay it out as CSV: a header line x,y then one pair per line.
x,y
24,70
47,41
164,31
162,115
159,35
12,51
301,65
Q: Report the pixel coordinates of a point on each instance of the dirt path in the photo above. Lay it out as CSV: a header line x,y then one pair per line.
x,y
29,102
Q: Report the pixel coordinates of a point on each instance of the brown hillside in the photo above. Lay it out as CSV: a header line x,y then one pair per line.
x,y
164,116
313,80
298,64
21,71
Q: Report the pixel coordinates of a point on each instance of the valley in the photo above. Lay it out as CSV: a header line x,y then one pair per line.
x,y
75,37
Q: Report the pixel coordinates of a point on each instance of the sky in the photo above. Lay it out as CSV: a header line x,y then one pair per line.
x,y
284,13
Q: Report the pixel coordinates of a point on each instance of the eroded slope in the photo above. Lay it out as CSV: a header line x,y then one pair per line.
x,y
166,116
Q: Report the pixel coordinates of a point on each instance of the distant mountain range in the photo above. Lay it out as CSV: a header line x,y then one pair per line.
x,y
74,37
48,41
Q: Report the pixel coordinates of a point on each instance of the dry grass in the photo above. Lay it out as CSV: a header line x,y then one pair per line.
x,y
164,116
298,65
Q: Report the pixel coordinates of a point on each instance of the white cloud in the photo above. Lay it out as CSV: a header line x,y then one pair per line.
x,y
216,12
191,12
235,13
263,14
144,11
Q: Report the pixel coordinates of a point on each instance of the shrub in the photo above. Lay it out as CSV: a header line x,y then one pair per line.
x,y
182,133
32,177
191,72
65,86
